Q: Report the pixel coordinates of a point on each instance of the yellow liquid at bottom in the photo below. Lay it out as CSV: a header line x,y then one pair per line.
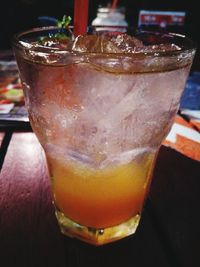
x,y
100,198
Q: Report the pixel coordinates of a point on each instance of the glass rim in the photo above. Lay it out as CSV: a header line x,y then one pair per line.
x,y
190,47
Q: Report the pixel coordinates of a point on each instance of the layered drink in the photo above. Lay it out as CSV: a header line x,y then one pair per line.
x,y
100,105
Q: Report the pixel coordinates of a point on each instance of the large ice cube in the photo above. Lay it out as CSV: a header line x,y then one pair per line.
x,y
117,43
107,43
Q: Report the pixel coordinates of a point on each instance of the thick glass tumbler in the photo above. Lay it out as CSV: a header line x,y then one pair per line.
x,y
100,105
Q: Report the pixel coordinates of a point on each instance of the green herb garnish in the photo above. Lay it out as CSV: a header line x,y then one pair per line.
x,y
64,23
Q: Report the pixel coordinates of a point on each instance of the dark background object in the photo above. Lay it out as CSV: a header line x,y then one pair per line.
x,y
18,15
191,95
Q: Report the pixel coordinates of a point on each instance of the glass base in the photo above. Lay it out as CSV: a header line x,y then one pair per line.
x,y
97,236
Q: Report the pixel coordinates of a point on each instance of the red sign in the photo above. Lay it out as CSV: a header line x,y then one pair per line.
x,y
161,18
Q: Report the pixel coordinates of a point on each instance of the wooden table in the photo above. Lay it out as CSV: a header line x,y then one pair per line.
x,y
168,234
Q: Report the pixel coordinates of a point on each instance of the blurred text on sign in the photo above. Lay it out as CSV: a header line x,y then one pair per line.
x,y
161,18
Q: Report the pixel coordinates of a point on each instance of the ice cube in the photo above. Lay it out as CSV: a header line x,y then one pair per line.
x,y
106,43
118,43
95,44
125,43
127,103
157,48
62,43
136,154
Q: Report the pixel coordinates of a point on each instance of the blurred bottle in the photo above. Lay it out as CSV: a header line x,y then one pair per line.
x,y
106,16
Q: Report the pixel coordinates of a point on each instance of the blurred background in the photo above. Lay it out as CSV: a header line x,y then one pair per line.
x,y
17,15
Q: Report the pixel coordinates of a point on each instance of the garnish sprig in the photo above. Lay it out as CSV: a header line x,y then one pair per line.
x,y
64,23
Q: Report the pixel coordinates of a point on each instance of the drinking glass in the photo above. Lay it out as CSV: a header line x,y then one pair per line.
x,y
101,117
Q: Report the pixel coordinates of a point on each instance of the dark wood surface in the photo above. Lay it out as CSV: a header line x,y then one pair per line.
x,y
168,234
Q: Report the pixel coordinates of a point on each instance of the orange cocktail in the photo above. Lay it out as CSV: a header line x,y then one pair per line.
x,y
100,198
100,105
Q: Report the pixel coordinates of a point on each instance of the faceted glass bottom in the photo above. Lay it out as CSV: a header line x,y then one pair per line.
x,y
97,236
